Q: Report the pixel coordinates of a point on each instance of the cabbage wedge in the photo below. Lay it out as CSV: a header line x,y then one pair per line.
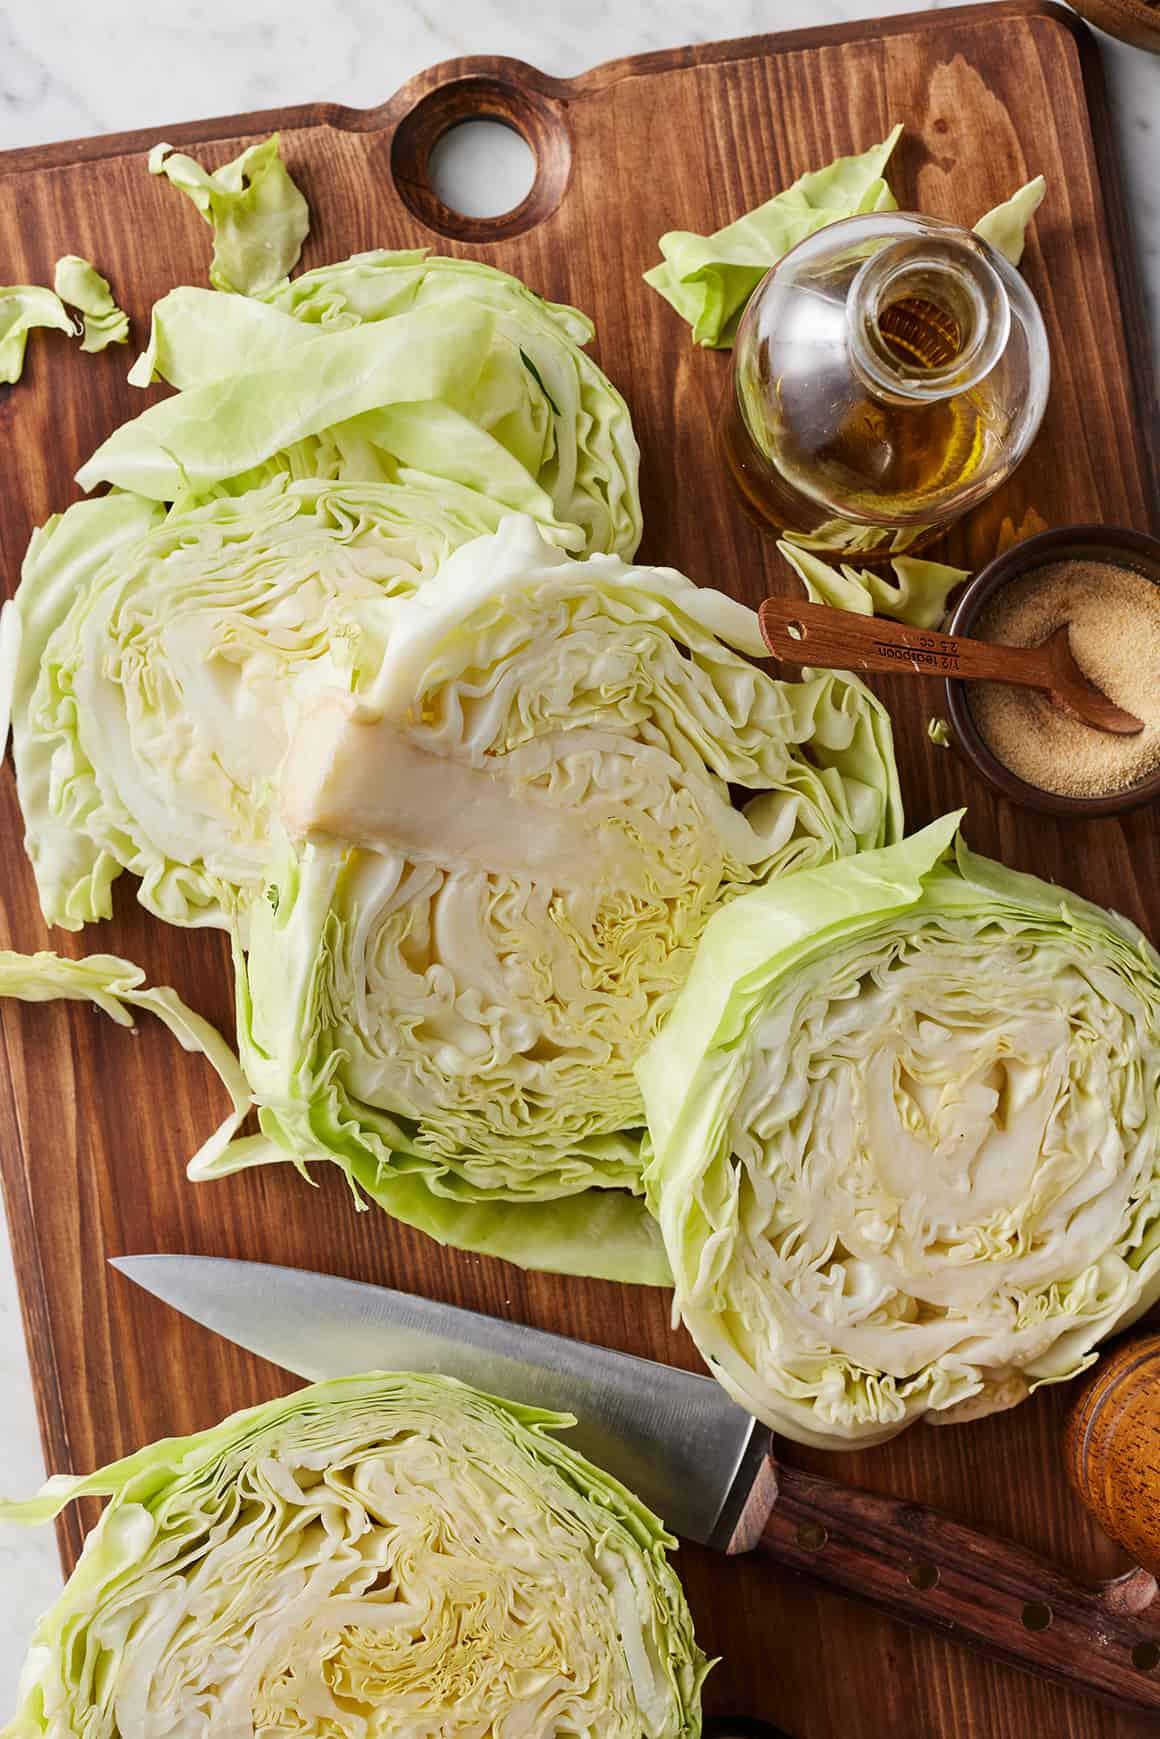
x,y
506,854
905,1128
157,666
378,1555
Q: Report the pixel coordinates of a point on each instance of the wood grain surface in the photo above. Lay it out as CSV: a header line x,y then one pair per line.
x,y
98,1125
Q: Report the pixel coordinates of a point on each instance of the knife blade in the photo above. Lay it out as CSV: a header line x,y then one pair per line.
x,y
701,1462
673,1437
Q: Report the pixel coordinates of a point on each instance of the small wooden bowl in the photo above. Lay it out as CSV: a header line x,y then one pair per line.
x,y
1101,543
1132,21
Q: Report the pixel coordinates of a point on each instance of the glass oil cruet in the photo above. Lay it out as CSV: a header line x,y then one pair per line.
x,y
888,374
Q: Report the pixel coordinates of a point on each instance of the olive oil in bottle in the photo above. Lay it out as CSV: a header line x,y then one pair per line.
x,y
888,374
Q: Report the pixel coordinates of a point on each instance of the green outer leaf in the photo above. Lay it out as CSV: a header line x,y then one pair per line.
x,y
401,1472
22,308
74,873
117,987
259,218
556,414
1014,1313
600,1234
80,285
229,426
1005,227
709,279
919,597
590,459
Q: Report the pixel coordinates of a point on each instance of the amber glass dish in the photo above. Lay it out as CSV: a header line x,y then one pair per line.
x,y
1101,543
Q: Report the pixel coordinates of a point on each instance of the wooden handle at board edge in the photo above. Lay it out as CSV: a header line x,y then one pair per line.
x,y
925,1568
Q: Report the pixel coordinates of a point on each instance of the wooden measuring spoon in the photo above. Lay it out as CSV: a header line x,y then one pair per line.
x,y
830,639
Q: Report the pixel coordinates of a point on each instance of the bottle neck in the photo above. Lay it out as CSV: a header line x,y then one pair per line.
x,y
926,319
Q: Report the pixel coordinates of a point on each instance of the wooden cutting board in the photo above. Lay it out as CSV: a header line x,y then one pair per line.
x,y
97,1126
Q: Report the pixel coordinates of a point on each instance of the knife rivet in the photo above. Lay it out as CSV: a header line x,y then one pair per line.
x,y
1037,1615
1146,1656
811,1536
922,1575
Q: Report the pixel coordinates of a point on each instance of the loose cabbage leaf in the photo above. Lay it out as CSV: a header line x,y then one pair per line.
x,y
158,666
709,279
376,1554
23,307
539,398
1006,226
117,987
80,285
229,428
905,1127
919,594
506,855
258,217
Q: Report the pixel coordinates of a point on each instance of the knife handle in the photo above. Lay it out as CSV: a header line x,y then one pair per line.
x,y
925,1568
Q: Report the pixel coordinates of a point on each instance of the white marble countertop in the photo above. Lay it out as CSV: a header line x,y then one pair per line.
x,y
67,70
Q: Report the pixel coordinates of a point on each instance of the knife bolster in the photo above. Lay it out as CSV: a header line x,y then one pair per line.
x,y
756,1510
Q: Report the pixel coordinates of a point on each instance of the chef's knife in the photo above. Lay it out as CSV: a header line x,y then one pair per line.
x,y
704,1465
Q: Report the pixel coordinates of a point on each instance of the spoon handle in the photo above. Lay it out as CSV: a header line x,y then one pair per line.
x,y
832,639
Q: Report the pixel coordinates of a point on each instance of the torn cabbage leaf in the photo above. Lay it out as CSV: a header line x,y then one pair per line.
x,y
918,595
80,285
258,217
510,390
709,279
24,307
158,665
507,853
117,987
379,1554
1006,226
905,1127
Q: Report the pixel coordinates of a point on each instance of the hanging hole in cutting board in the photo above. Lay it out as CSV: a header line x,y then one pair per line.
x,y
482,168
483,157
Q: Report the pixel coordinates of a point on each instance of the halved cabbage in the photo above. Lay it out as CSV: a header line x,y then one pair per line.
x,y
445,365
508,854
380,1554
158,666
905,1121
